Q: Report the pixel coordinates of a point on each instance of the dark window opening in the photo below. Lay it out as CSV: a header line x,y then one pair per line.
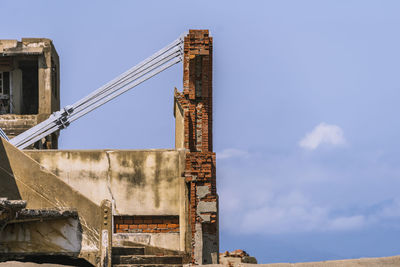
x,y
4,92
30,86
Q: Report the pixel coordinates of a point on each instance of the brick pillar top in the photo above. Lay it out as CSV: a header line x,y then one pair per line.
x,y
197,90
193,112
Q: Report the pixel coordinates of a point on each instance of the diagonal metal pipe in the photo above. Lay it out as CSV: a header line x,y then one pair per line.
x,y
158,62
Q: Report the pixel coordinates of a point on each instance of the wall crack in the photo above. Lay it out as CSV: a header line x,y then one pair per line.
x,y
109,182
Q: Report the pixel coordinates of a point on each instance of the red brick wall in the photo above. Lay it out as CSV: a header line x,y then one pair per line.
x,y
146,224
196,101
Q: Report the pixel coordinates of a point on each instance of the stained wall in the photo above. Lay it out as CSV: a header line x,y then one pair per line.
x,y
140,183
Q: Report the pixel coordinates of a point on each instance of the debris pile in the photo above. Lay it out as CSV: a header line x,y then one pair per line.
x,y
232,259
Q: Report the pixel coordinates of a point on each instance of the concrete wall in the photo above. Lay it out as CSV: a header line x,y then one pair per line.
x,y
16,81
22,178
140,182
162,240
179,123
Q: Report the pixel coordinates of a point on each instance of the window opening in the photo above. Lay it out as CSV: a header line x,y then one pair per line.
x,y
30,86
4,92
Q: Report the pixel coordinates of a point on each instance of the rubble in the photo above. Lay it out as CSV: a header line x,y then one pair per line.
x,y
236,257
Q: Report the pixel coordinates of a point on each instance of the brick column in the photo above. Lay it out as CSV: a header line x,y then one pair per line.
x,y
196,103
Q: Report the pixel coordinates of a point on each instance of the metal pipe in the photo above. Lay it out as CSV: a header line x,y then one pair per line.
x,y
158,62
76,116
43,127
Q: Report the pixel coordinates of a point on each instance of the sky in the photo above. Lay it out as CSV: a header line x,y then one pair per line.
x,y
306,108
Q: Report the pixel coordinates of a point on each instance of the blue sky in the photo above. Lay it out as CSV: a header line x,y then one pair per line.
x,y
306,104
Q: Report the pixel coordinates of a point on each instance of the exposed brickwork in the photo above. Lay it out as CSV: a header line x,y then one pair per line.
x,y
200,174
146,224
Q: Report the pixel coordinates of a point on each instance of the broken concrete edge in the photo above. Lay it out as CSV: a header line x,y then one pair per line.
x,y
26,216
6,204
236,256
103,257
36,183
46,213
30,46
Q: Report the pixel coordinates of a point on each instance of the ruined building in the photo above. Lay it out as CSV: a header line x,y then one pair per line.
x,y
29,85
106,206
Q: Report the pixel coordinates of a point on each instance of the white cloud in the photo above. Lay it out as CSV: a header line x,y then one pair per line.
x,y
323,134
257,209
288,195
282,193
347,223
391,209
231,153
290,213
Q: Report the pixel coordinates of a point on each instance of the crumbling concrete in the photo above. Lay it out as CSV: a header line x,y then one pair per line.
x,y
22,178
159,184
139,182
29,70
235,258
202,191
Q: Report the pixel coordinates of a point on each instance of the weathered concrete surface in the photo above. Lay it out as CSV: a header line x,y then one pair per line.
x,y
39,97
141,182
42,236
23,231
161,240
13,124
29,46
9,209
49,100
179,123
23,178
363,262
